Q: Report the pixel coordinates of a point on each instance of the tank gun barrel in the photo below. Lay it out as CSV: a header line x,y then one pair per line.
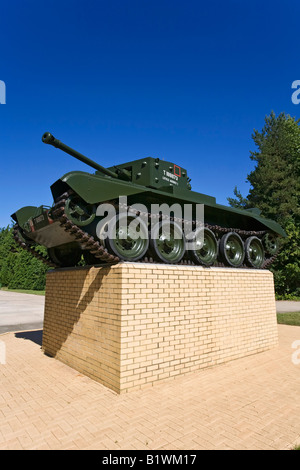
x,y
48,138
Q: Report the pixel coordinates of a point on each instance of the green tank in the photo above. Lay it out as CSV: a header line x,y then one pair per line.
x,y
143,210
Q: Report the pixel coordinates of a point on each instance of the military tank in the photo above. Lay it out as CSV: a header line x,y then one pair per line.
x,y
93,217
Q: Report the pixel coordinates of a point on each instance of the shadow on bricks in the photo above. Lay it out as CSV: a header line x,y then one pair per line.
x,y
68,307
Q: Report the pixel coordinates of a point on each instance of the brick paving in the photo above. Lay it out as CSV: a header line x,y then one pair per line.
x,y
249,403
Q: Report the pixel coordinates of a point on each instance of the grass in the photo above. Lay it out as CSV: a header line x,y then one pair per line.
x,y
292,318
24,291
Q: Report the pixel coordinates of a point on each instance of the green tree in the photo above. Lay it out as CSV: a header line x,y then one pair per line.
x,y
275,190
239,202
18,268
7,255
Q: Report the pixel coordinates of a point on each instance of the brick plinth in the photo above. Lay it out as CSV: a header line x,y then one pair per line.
x,y
134,324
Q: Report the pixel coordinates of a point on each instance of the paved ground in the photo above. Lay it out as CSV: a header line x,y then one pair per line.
x,y
285,306
250,403
20,311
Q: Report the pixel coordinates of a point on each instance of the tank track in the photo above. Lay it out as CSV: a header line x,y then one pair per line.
x,y
89,243
86,240
30,249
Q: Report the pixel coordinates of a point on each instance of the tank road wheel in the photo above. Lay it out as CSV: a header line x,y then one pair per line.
x,y
65,255
271,243
254,252
167,242
127,237
78,211
232,249
206,249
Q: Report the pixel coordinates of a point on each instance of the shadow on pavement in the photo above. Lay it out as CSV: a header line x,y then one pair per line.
x,y
35,336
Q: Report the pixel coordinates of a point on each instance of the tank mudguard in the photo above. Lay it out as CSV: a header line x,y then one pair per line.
x,y
266,224
271,225
22,215
93,188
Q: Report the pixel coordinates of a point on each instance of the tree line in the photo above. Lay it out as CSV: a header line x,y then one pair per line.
x,y
274,189
18,268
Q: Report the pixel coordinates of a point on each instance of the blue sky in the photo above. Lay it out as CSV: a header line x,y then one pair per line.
x,y
186,81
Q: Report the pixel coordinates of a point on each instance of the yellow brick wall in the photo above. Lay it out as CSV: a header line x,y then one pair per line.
x,y
82,321
133,324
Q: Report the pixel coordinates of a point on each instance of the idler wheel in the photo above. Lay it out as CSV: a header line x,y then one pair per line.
x,y
232,249
167,242
254,252
205,249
